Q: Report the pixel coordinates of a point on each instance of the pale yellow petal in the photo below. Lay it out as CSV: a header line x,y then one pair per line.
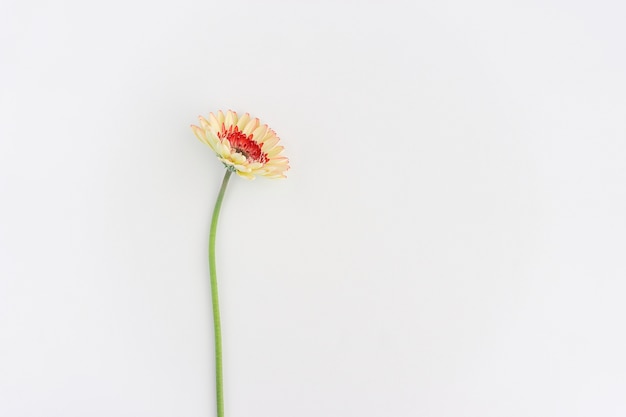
x,y
261,171
245,175
215,124
221,150
250,126
281,160
220,117
203,122
270,143
269,134
242,168
200,134
231,119
275,151
211,138
277,170
227,161
259,133
237,157
243,121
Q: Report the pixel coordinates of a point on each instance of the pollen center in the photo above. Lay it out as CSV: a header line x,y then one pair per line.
x,y
243,144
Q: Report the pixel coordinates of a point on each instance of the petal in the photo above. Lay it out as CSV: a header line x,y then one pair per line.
x,y
227,161
220,118
211,138
259,133
280,160
251,126
221,150
201,135
268,135
242,168
270,143
275,151
245,175
214,122
255,165
243,121
231,119
238,158
203,122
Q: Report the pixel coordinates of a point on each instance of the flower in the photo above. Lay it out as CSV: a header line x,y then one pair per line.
x,y
243,144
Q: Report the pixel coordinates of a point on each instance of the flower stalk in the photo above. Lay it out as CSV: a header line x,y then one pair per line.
x,y
217,327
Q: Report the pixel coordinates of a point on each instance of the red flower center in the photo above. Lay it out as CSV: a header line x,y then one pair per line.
x,y
243,144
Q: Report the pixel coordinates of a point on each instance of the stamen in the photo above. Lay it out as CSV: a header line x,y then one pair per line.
x,y
243,144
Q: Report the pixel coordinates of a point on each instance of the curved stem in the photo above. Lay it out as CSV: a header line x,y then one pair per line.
x,y
219,385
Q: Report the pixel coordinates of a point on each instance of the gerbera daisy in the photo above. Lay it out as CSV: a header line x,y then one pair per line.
x,y
249,149
243,144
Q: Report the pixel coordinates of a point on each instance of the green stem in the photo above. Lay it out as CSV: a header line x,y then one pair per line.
x,y
219,384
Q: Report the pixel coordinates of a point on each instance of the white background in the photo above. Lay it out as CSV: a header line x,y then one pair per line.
x,y
450,240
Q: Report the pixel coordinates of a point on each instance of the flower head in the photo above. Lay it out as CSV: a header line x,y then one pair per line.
x,y
243,144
